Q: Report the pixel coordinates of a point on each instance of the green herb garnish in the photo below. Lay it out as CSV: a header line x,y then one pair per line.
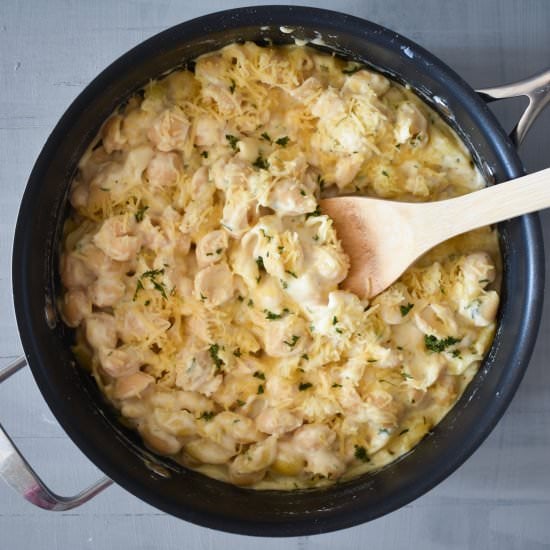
x,y
272,316
140,213
405,309
293,341
232,141
304,386
283,141
259,374
214,349
260,389
438,345
316,212
261,163
361,454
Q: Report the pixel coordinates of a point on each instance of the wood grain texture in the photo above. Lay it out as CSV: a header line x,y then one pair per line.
x,y
499,499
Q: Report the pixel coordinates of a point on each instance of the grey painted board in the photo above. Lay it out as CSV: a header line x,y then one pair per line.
x,y
48,52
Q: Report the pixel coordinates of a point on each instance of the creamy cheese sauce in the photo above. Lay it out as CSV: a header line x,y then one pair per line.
x,y
202,279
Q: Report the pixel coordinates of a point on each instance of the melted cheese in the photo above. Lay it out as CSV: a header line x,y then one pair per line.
x,y
202,279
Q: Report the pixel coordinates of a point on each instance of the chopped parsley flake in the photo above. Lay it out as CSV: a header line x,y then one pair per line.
x,y
240,403
272,316
284,284
266,136
139,287
233,86
334,320
207,415
261,163
232,141
151,275
260,263
384,173
336,385
321,182
361,454
293,341
406,375
316,212
237,352
405,309
214,349
384,431
304,386
283,141
140,213
291,273
250,302
204,154
259,374
260,389
438,345
266,235
404,431
305,356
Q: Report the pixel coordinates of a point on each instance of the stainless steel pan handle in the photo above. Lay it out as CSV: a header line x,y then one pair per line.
x,y
19,475
536,88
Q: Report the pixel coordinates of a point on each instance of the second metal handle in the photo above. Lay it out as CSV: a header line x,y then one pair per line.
x,y
536,88
19,475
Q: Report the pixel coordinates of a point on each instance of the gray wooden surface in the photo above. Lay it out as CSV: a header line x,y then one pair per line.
x,y
48,52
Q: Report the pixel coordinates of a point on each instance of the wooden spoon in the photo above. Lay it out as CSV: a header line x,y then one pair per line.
x,y
382,238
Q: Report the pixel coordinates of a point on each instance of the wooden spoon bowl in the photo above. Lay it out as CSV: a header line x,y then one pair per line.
x,y
383,238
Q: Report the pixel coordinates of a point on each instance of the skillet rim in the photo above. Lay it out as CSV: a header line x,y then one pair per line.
x,y
256,16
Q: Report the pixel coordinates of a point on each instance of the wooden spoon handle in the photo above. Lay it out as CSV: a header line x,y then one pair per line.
x,y
490,205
